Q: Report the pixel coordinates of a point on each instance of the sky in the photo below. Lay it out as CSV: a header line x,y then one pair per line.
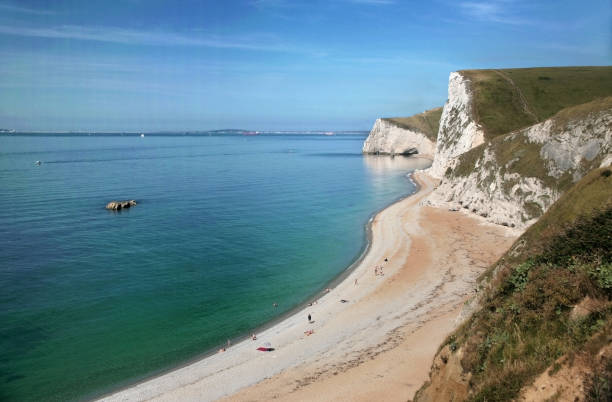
x,y
155,65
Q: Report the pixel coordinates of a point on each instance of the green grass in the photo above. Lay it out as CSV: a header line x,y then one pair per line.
x,y
499,105
524,324
514,154
427,122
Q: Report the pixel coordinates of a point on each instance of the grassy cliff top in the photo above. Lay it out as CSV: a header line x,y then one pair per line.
x,y
510,99
426,122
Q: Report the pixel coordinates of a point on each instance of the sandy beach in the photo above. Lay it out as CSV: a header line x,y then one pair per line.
x,y
373,336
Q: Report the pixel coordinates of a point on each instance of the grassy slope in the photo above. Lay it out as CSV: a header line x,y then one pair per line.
x,y
524,324
514,154
537,94
528,162
426,122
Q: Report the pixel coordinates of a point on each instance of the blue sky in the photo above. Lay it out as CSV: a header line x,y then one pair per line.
x,y
147,65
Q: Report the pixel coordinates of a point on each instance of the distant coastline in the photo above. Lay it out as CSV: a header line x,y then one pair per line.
x,y
185,133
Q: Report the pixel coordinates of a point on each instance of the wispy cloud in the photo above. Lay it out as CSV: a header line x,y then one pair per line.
x,y
393,60
24,10
498,11
261,42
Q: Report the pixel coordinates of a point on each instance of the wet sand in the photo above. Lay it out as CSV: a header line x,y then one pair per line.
x,y
380,342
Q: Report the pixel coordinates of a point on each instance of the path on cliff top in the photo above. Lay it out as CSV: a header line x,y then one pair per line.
x,y
522,99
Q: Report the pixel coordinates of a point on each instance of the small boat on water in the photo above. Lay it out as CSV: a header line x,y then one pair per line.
x,y
141,135
38,163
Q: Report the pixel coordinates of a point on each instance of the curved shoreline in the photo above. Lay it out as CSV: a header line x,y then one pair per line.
x,y
433,274
331,284
359,331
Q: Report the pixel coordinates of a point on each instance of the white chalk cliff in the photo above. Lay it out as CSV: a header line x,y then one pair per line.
x,y
515,188
389,138
458,132
511,179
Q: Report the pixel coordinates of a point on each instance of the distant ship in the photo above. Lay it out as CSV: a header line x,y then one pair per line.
x,y
250,133
141,135
328,133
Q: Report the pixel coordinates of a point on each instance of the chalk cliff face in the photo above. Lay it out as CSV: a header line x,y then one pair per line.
x,y
513,179
458,132
389,138
509,179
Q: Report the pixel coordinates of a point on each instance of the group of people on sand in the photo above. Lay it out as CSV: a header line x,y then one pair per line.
x,y
378,269
310,331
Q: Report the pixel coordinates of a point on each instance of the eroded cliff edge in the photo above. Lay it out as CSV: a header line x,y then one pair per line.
x,y
404,136
512,177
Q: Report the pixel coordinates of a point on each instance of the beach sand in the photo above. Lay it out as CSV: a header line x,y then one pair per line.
x,y
377,345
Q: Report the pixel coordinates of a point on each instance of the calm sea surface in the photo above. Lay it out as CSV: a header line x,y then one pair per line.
x,y
225,226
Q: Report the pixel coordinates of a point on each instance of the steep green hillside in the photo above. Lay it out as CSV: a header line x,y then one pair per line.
x,y
526,321
426,122
510,99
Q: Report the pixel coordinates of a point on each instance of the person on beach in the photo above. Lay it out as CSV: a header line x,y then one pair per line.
x,y
309,319
253,337
228,343
355,281
386,259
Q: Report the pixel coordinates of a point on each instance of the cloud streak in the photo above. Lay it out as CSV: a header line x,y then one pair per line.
x,y
24,10
492,11
253,42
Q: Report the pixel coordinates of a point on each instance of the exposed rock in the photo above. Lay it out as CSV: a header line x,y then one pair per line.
x,y
515,178
118,205
389,138
458,132
447,382
586,307
565,380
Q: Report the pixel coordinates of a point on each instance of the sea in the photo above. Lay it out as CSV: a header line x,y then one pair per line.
x,y
230,232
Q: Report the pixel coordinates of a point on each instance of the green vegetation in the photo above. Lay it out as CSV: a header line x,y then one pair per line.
x,y
510,99
427,122
515,154
525,323
586,197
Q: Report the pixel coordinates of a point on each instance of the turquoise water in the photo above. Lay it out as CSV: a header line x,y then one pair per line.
x,y
225,226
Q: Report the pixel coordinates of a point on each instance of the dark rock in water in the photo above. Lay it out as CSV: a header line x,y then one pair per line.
x,y
118,205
